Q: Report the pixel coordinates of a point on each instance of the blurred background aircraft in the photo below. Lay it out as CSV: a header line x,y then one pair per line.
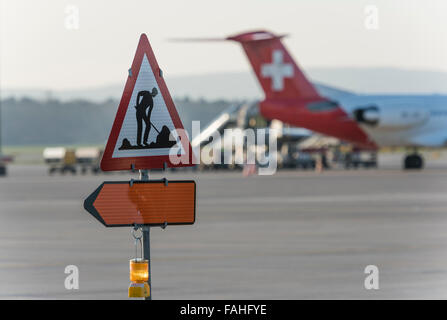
x,y
368,121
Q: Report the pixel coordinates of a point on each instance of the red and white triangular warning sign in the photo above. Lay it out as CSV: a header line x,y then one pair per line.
x,y
147,132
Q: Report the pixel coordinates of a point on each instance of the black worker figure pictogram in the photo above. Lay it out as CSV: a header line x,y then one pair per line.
x,y
143,111
145,101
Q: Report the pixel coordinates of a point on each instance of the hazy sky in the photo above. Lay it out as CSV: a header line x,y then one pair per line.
x,y
37,49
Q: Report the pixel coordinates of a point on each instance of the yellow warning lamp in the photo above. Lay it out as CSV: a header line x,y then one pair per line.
x,y
139,290
139,270
139,273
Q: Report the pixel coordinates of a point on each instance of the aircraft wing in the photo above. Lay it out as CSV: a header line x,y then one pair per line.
x,y
429,140
295,134
331,92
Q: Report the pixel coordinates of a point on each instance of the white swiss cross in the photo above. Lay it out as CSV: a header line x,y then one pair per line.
x,y
277,70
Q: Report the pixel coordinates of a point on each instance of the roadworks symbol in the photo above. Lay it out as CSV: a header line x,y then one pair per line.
x,y
144,106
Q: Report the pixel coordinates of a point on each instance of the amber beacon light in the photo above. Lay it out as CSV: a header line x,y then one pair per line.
x,y
139,273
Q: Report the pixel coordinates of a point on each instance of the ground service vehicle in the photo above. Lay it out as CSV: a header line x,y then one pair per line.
x,y
60,159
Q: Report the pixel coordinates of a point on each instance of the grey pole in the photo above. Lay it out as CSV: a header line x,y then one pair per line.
x,y
2,164
147,256
144,176
0,126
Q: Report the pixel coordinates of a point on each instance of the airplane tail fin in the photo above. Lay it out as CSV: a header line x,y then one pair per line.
x,y
277,72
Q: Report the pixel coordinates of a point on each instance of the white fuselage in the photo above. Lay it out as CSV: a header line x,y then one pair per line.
x,y
407,121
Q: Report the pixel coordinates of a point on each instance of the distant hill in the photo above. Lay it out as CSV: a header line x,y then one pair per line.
x,y
85,116
28,121
243,85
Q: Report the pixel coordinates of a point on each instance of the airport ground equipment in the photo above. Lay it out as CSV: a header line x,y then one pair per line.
x,y
298,159
245,116
60,159
147,134
88,159
361,159
4,160
357,158
2,169
298,148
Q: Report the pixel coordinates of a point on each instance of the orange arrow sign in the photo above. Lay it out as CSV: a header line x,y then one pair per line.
x,y
124,203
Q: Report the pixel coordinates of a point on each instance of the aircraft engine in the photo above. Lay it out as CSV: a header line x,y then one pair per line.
x,y
391,118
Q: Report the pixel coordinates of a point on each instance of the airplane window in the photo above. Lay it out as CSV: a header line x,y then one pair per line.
x,y
322,106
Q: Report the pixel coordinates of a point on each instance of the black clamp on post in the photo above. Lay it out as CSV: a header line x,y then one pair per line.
x,y
165,181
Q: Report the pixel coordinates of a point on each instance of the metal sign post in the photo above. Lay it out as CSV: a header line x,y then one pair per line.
x,y
144,176
147,256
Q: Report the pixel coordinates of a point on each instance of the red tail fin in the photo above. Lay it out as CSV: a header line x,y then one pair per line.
x,y
275,69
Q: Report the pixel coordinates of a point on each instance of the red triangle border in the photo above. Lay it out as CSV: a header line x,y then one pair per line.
x,y
142,162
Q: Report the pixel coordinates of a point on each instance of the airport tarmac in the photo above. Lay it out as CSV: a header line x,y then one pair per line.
x,y
294,235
